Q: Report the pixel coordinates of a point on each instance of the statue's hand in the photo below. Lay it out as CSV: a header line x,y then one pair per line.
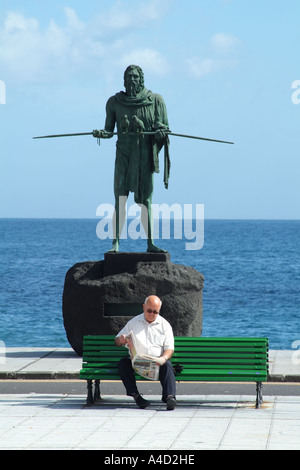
x,y
161,131
102,134
160,134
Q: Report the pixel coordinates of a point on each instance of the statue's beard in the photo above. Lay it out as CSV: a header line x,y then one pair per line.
x,y
132,89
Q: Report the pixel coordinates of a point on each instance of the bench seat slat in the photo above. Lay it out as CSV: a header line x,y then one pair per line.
x,y
186,355
232,359
188,375
186,369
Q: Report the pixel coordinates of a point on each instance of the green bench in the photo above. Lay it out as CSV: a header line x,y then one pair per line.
x,y
194,360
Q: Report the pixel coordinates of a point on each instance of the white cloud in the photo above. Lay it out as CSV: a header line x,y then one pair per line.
x,y
201,67
221,54
19,38
73,22
148,59
224,43
135,16
16,23
31,53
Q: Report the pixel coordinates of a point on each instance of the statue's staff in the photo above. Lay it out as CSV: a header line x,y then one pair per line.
x,y
135,133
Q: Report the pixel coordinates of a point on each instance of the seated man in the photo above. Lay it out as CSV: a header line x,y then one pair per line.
x,y
156,335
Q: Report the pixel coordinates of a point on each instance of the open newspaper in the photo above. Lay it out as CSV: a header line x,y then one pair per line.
x,y
144,365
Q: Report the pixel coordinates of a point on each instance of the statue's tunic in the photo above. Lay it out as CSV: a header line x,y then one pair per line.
x,y
137,155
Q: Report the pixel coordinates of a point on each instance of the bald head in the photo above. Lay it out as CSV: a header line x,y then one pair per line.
x,y
151,308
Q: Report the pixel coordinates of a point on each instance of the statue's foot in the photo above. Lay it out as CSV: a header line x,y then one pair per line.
x,y
115,247
155,249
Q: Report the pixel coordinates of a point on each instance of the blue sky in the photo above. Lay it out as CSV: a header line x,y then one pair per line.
x,y
224,67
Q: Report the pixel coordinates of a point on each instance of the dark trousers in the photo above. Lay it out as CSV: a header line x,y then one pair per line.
x,y
166,378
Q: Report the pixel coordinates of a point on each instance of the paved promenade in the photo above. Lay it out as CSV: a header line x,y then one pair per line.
x,y
213,422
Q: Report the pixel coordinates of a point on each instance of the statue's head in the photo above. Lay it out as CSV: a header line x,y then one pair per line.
x,y
133,80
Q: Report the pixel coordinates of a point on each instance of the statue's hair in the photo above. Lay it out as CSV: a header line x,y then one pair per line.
x,y
140,71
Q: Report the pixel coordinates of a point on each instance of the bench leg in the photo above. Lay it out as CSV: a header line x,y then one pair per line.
x,y
259,397
89,398
97,390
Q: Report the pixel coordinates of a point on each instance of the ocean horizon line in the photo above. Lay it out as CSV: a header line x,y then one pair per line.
x,y
130,217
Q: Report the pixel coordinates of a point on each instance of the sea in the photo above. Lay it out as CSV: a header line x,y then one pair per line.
x,y
251,272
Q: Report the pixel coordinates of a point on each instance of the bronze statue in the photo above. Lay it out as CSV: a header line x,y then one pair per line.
x,y
136,112
143,130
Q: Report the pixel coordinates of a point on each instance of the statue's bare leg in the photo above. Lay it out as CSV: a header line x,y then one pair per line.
x,y
147,222
118,221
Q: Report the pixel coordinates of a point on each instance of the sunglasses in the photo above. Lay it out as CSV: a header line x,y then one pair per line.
x,y
152,311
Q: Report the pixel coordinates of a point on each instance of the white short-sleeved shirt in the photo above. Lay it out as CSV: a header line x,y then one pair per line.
x,y
153,338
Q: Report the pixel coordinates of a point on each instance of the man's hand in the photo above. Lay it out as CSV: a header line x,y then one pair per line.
x,y
165,360
121,340
102,134
167,354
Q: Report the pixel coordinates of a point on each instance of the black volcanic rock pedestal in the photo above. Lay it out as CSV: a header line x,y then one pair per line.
x,y
99,297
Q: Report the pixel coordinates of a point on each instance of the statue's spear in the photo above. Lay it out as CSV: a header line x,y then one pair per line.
x,y
134,133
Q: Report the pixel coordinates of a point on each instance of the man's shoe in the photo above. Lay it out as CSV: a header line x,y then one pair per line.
x,y
171,402
140,401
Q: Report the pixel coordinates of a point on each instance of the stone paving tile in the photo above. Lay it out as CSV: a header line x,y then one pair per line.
x,y
37,421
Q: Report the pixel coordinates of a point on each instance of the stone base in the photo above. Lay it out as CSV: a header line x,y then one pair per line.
x,y
101,296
